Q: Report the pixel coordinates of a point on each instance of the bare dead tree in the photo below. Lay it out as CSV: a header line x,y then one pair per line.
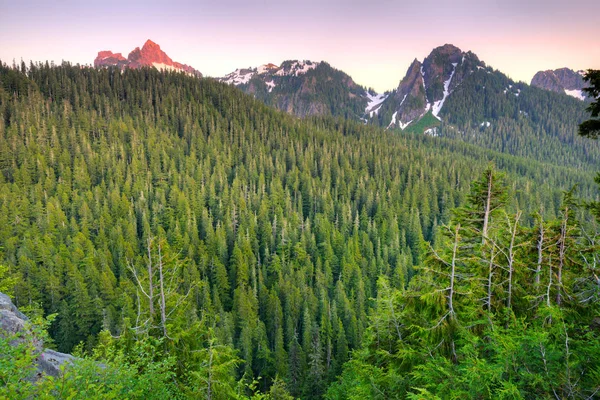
x,y
511,256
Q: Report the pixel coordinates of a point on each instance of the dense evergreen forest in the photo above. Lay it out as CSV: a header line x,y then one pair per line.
x,y
201,244
490,110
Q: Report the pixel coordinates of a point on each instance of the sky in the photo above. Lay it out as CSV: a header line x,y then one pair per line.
x,y
374,41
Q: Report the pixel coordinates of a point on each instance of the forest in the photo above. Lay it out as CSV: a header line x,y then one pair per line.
x,y
185,240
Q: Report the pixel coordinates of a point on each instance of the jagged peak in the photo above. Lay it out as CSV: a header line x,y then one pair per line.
x,y
150,55
150,43
447,48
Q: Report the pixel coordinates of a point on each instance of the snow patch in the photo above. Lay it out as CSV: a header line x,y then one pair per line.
x,y
374,103
402,102
263,69
400,123
437,106
485,123
402,126
164,67
578,94
393,120
270,85
297,68
239,76
432,132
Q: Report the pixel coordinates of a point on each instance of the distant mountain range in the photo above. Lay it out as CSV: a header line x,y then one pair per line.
x,y
451,92
150,55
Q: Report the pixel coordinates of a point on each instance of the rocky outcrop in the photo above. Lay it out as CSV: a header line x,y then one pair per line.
x,y
562,80
410,96
13,322
150,55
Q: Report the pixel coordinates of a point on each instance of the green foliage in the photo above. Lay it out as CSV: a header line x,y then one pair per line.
x,y
591,127
271,233
524,120
322,90
428,121
483,319
7,281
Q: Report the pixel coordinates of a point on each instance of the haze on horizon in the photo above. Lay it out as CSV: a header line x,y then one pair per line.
x,y
372,41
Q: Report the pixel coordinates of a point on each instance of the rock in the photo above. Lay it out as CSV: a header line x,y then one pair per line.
x,y
559,80
410,95
7,304
108,58
150,55
50,361
427,84
12,322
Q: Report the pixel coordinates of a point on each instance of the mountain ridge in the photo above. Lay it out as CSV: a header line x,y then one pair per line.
x,y
561,80
150,55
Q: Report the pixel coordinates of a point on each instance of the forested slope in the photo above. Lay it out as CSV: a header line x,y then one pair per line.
x,y
163,208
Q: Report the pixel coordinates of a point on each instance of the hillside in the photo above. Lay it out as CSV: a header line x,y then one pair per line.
x,y
157,213
455,95
303,88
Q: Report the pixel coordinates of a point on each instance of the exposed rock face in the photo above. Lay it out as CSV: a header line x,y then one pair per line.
x,y
562,80
426,85
108,58
12,321
150,55
410,96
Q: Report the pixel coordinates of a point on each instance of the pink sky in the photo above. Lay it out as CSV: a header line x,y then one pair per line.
x,y
373,41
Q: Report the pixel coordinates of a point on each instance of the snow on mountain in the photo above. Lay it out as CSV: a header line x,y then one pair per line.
x,y
562,80
296,68
374,103
577,93
263,69
242,76
437,106
164,67
239,76
271,85
393,122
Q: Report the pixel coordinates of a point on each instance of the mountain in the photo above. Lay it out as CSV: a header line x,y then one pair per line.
x,y
562,80
306,88
454,94
426,86
14,323
150,55
180,224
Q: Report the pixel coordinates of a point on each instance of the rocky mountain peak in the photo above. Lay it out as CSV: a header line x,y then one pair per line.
x,y
150,46
562,80
150,55
427,84
105,58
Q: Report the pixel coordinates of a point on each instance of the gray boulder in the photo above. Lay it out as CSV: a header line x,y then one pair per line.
x,y
12,322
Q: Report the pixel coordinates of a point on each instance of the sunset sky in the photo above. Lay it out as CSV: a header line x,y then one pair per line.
x,y
373,41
